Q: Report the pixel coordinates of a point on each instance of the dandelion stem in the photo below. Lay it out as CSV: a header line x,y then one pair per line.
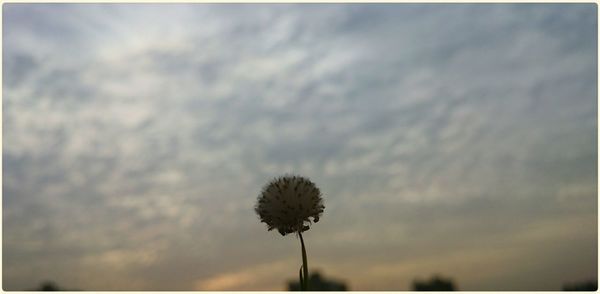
x,y
304,282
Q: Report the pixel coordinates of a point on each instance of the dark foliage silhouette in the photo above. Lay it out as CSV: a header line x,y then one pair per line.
x,y
318,283
51,286
436,283
590,285
48,286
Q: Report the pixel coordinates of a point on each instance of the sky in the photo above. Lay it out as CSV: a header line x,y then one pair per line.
x,y
451,139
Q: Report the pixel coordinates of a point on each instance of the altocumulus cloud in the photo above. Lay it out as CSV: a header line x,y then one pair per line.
x,y
445,138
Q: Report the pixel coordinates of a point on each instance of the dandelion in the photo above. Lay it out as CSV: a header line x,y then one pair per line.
x,y
290,204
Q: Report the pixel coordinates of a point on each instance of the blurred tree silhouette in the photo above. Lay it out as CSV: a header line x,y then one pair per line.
x,y
318,283
590,285
48,286
436,283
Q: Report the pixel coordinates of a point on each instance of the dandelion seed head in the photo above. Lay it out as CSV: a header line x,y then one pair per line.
x,y
289,203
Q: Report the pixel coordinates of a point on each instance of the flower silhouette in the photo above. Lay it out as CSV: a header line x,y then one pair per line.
x,y
288,203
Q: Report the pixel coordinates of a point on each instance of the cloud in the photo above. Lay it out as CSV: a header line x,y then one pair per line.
x,y
255,278
137,137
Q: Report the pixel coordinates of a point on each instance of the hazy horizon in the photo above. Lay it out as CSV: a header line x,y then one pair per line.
x,y
451,139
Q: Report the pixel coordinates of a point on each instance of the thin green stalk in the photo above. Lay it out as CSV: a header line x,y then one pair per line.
x,y
304,285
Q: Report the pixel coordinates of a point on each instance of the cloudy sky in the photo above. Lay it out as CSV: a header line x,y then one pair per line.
x,y
451,139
